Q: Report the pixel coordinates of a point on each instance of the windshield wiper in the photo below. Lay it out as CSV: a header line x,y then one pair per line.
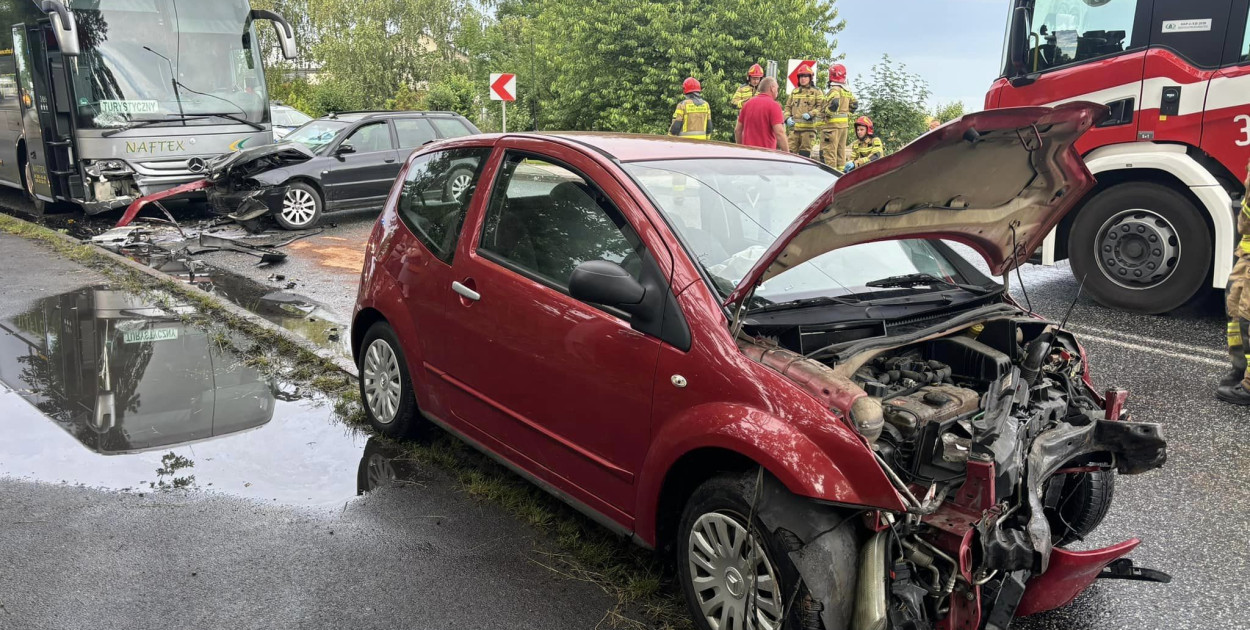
x,y
814,301
237,118
924,279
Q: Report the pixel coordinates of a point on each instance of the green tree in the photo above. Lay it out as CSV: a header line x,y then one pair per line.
x,y
618,64
895,100
946,112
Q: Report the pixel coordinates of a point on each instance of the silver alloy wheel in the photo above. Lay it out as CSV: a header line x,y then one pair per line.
x,y
379,471
460,184
381,380
1137,249
731,576
298,206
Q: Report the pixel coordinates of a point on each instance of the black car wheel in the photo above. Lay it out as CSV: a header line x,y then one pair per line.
x,y
1077,503
458,183
1141,247
301,207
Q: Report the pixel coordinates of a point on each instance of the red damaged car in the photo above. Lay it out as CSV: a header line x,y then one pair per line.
x,y
787,379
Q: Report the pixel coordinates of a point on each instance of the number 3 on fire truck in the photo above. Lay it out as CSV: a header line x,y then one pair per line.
x,y
1245,130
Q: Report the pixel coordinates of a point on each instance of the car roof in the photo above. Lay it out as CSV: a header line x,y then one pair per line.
x,y
633,147
362,115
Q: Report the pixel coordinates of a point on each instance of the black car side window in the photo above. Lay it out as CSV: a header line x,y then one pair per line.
x,y
545,220
371,137
436,194
413,132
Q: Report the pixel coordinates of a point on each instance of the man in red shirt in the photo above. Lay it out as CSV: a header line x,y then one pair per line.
x,y
761,123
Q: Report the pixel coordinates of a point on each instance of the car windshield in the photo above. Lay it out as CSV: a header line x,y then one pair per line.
x,y
317,134
729,211
287,117
134,52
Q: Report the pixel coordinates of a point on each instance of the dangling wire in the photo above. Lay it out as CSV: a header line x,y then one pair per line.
x,y
1015,249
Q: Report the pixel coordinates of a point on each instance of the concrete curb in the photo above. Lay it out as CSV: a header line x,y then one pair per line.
x,y
342,363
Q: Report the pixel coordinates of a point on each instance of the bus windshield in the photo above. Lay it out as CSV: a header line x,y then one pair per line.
x,y
182,60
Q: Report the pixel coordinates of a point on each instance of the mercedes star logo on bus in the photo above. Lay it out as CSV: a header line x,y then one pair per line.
x,y
196,165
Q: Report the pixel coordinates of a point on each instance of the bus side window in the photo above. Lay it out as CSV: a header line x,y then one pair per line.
x,y
1245,41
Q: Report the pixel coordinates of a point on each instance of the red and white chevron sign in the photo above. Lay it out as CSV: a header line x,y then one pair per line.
x,y
502,86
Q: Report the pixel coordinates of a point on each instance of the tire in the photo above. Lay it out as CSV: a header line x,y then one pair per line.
x,y
1083,504
721,506
1141,247
301,207
385,386
459,181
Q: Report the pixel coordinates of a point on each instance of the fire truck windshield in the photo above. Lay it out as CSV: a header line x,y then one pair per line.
x,y
1063,32
147,60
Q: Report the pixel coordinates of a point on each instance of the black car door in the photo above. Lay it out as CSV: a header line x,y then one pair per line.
x,y
363,166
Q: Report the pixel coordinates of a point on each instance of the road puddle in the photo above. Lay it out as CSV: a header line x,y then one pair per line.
x,y
104,389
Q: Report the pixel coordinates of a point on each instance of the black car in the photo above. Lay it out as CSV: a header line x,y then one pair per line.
x,y
342,161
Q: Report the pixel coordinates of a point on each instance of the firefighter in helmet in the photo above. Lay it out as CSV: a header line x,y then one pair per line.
x,y
693,116
802,108
867,147
751,88
1235,387
835,118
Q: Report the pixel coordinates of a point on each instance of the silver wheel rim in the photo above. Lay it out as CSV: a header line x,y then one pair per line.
x,y
1137,249
298,206
460,184
731,576
381,381
379,471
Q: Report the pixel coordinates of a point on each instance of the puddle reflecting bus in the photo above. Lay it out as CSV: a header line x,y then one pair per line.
x,y
103,101
122,376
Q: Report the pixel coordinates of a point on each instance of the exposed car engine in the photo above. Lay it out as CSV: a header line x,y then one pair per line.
x,y
999,446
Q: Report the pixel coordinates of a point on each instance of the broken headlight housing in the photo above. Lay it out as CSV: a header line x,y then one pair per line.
x,y
108,168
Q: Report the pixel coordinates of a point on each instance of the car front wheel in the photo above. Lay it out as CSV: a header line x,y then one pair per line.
x,y
301,207
385,386
736,574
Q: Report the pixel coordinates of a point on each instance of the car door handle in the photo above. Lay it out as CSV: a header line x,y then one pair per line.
x,y
391,161
465,292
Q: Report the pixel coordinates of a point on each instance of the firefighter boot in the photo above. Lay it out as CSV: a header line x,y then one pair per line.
x,y
1235,386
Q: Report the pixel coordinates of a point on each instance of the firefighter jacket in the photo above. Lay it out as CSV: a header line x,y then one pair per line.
x,y
837,108
868,149
744,94
804,100
1243,228
692,118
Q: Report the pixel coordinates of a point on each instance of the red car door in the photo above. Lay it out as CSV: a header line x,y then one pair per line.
x,y
562,387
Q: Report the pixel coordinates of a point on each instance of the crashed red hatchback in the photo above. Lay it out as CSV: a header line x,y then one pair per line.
x,y
790,381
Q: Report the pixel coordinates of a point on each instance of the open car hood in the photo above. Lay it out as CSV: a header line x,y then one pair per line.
x,y
997,181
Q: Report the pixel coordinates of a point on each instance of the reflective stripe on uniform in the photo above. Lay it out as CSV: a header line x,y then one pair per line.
x,y
694,116
1234,334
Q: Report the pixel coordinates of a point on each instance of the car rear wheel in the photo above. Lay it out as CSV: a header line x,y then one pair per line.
x,y
458,183
301,207
1141,247
385,387
737,575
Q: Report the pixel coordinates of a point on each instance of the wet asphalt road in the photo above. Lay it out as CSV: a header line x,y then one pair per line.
x,y
1192,515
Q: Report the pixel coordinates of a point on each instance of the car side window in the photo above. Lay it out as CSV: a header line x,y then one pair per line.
x,y
371,137
435,196
451,127
413,132
545,219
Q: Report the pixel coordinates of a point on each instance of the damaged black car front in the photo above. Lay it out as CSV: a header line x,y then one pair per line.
x,y
252,183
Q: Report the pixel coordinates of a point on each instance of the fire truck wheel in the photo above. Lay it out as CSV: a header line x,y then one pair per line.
x,y
1141,247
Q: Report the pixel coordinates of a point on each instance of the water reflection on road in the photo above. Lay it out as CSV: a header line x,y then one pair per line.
x,y
121,394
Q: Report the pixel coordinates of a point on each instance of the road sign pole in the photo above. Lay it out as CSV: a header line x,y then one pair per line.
x,y
504,105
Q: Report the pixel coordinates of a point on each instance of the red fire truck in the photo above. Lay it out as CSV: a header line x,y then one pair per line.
x,y
1170,161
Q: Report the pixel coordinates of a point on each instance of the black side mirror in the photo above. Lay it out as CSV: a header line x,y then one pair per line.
x,y
1020,29
344,149
606,283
